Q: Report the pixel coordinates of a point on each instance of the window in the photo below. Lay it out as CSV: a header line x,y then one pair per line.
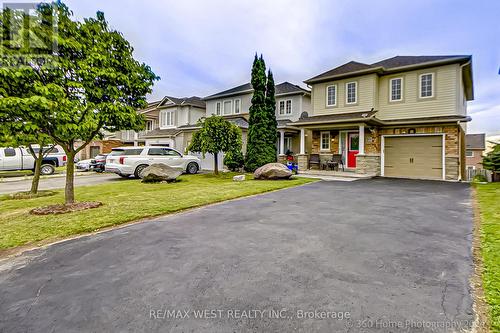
x,y
282,107
396,86
218,108
128,152
171,152
426,85
237,105
469,153
149,125
228,106
166,119
288,106
350,96
331,95
285,107
325,141
9,152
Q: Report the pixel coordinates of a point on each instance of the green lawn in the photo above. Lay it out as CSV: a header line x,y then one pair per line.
x,y
489,205
124,201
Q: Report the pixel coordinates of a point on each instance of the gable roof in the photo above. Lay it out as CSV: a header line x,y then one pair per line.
x,y
281,89
183,101
391,65
475,141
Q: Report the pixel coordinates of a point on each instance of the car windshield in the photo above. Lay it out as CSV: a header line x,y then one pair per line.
x,y
121,152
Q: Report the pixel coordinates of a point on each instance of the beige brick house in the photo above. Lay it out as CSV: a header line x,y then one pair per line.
x,y
400,117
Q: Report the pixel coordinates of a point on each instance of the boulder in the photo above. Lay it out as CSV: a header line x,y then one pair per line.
x,y
272,171
157,172
239,178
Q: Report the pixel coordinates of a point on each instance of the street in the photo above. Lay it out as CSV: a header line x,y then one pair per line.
x,y
56,182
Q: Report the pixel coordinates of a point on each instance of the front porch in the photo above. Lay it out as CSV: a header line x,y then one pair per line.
x,y
350,150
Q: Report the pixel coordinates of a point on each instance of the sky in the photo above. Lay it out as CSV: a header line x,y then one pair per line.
x,y
205,46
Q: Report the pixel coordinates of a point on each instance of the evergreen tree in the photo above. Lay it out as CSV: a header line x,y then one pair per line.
x,y
259,148
272,124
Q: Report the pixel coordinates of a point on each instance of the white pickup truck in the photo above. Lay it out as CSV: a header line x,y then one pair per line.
x,y
14,159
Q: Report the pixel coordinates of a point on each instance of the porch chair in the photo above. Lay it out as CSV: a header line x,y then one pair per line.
x,y
314,160
335,162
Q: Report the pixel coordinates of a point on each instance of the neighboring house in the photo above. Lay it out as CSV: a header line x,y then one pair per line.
x,y
291,101
400,117
167,119
475,146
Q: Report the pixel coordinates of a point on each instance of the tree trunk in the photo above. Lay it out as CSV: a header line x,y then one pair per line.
x,y
69,190
216,164
36,177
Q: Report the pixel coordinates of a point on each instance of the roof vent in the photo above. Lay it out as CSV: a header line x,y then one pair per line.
x,y
304,115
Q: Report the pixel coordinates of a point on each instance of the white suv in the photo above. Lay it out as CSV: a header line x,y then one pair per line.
x,y
126,161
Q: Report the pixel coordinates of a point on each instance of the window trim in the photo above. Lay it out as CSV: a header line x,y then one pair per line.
x,y
163,116
284,101
218,105
335,95
390,89
321,141
355,93
433,85
290,141
471,151
223,107
234,105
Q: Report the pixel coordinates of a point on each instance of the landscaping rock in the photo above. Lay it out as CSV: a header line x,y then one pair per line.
x,y
157,172
272,171
239,178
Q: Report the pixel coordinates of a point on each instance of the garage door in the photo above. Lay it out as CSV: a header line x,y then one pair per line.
x,y
414,157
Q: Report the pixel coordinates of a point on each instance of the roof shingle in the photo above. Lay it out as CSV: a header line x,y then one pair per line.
x,y
281,89
475,141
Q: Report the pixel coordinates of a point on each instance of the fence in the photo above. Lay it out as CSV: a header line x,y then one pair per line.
x,y
471,173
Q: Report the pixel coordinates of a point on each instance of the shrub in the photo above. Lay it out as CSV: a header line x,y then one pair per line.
x,y
234,160
480,179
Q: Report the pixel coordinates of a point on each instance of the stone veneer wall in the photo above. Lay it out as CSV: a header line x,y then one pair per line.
x,y
302,161
368,164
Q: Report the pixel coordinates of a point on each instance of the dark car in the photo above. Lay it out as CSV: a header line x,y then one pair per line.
x,y
98,163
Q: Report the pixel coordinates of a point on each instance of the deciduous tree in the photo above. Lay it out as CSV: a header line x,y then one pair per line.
x,y
215,136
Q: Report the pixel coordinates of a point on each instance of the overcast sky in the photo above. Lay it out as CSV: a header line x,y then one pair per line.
x,y
205,46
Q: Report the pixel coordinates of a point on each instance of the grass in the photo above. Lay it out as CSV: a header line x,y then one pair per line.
x,y
124,201
489,205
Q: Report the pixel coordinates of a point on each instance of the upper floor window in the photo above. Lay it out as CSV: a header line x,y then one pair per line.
x,y
228,107
325,140
331,95
426,85
149,125
218,108
469,153
351,93
285,107
167,119
396,86
237,106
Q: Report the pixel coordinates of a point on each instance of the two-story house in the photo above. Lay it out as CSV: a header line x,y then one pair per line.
x,y
475,146
167,119
400,117
291,102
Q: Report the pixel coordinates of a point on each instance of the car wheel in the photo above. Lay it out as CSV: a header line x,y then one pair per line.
x,y
47,169
138,170
192,168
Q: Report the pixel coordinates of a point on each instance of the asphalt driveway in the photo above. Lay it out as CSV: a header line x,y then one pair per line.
x,y
375,255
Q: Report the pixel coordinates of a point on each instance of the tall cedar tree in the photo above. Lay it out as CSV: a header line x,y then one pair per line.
x,y
96,84
272,124
260,149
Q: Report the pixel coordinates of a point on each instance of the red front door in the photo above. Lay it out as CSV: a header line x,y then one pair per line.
x,y
352,149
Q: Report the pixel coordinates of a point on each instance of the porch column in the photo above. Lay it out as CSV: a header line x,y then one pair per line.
x,y
361,140
302,141
282,142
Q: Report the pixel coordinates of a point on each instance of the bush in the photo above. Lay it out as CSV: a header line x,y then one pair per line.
x,y
234,160
480,179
